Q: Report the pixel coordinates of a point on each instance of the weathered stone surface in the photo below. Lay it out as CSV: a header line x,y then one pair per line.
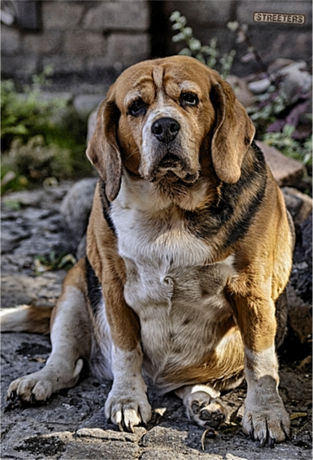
x,y
110,435
84,104
298,204
295,77
286,171
234,457
10,40
42,290
299,317
64,64
203,13
76,207
86,43
127,49
61,15
130,15
20,66
71,425
246,9
172,454
48,43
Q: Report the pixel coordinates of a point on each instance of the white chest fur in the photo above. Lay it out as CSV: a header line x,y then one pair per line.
x,y
177,295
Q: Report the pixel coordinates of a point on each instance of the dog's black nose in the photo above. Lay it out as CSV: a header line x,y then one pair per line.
x,y
165,129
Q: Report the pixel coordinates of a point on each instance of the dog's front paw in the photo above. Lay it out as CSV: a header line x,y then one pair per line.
x,y
40,385
266,425
30,388
127,409
205,410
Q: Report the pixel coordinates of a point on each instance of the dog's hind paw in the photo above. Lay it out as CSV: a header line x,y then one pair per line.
x,y
204,409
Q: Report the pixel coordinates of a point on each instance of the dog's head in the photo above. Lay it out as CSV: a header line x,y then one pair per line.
x,y
157,118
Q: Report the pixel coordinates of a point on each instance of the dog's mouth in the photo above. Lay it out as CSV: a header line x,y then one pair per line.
x,y
171,168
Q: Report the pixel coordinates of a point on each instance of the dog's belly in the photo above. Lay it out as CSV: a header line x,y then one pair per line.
x,y
182,312
177,295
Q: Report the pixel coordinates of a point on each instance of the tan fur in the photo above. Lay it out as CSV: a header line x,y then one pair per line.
x,y
168,270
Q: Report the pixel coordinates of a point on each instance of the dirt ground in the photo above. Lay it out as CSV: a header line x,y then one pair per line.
x,y
72,424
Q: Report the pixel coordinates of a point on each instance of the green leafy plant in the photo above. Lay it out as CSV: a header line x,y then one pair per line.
x,y
207,54
25,114
53,261
34,161
40,138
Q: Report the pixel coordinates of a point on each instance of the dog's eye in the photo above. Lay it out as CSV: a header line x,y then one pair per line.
x,y
137,108
189,100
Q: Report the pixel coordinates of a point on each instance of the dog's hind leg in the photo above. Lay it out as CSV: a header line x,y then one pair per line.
x,y
70,338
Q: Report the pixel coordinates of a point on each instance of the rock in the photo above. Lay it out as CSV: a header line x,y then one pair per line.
x,y
76,208
110,435
296,80
234,457
118,16
241,90
299,317
84,104
278,64
298,204
286,171
300,284
72,425
259,86
42,291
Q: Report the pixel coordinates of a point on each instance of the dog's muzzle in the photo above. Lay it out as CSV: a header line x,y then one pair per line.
x,y
169,161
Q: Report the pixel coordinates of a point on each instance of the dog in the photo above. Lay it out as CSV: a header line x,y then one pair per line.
x,y
189,247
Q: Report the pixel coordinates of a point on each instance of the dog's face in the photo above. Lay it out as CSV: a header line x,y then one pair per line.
x,y
164,120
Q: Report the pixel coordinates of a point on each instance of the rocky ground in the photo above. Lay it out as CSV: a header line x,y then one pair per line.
x,y
72,424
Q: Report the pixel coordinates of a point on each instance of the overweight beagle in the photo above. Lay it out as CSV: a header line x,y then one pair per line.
x,y
189,246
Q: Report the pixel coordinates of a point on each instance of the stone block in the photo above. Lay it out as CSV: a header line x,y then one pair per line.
x,y
19,66
202,13
64,64
298,204
286,171
47,43
127,49
84,43
245,10
118,15
85,103
295,46
62,15
10,40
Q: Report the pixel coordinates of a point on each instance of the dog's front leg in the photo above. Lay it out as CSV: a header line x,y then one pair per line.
x,y
127,404
265,417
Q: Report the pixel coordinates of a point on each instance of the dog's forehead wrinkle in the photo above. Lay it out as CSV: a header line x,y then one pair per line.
x,y
158,74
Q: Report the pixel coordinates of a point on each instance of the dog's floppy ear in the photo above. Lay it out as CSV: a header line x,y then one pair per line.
x,y
233,133
103,150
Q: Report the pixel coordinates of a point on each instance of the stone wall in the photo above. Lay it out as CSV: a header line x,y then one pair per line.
x,y
92,38
80,37
209,19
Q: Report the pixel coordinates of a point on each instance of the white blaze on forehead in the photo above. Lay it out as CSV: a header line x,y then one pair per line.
x,y
158,76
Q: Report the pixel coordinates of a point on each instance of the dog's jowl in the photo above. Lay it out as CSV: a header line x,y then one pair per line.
x,y
189,247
